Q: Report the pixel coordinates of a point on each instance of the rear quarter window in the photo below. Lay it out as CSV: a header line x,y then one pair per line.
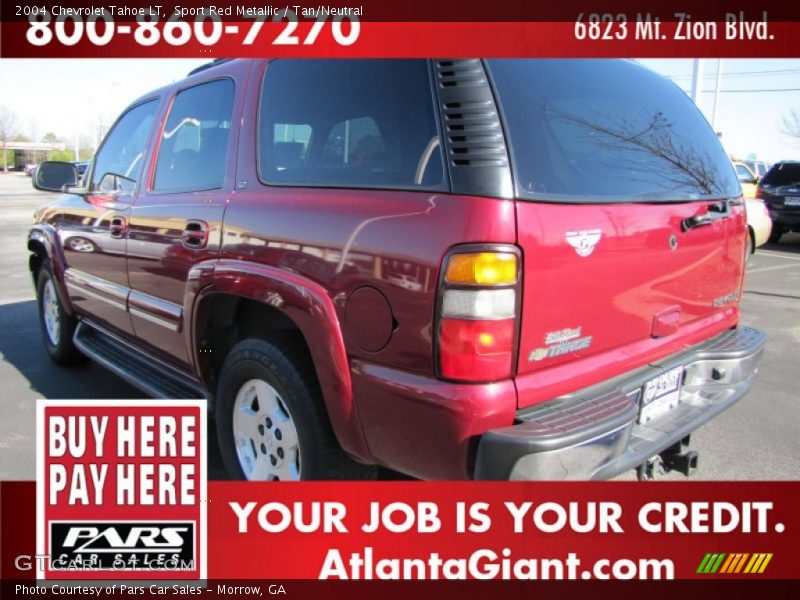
x,y
601,129
349,123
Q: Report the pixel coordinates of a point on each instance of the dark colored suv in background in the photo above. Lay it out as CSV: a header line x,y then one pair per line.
x,y
780,191
501,269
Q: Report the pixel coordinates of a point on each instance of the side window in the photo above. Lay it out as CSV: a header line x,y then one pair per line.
x,y
118,164
349,123
193,152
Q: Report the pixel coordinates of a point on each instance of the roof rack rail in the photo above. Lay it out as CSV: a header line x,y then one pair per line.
x,y
208,65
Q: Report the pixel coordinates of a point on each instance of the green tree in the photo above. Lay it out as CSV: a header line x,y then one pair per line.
x,y
86,148
62,155
8,129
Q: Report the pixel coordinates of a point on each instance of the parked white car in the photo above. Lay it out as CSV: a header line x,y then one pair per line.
x,y
759,225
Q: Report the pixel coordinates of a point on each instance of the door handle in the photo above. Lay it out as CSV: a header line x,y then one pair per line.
x,y
195,235
716,211
118,228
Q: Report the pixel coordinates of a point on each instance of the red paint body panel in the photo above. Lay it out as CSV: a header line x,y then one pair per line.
x,y
392,241
426,427
615,293
548,383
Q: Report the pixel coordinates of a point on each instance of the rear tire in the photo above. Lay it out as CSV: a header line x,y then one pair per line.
x,y
271,419
58,328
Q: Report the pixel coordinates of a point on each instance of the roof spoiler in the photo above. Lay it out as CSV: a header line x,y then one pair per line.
x,y
208,65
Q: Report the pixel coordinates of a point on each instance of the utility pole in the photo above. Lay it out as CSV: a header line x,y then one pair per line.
x,y
717,89
697,81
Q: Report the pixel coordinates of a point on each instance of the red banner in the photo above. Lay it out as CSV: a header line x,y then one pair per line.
x,y
305,38
531,531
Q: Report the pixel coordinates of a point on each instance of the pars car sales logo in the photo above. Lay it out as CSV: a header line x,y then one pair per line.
x,y
121,489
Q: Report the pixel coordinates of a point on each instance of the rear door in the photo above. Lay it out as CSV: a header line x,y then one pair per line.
x,y
629,215
177,221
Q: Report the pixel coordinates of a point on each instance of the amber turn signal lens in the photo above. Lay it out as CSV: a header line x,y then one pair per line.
x,y
482,268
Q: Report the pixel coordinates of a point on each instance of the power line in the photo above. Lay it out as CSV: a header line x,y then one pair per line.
x,y
753,91
741,74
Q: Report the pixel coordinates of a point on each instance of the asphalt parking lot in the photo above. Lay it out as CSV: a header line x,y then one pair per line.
x,y
758,438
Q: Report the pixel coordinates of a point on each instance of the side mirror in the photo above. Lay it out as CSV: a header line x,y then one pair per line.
x,y
54,176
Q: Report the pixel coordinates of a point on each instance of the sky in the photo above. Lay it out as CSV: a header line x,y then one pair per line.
x,y
67,96
750,120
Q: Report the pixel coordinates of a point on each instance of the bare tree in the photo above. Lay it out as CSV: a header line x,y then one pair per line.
x,y
647,143
8,129
34,137
791,124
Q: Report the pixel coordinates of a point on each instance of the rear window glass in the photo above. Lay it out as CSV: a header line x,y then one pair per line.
x,y
349,123
783,174
606,129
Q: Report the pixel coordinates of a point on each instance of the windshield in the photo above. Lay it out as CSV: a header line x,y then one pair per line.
x,y
607,130
783,174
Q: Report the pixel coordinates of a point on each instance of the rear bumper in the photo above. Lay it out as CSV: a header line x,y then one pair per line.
x,y
594,433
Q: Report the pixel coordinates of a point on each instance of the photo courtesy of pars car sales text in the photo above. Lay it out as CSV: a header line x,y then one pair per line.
x,y
419,292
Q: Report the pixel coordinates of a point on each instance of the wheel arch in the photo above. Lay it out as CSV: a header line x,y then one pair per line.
x,y
43,246
221,293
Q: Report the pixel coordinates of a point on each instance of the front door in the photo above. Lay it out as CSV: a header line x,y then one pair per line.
x,y
93,227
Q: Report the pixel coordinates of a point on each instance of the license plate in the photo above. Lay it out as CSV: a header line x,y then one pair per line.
x,y
660,395
791,202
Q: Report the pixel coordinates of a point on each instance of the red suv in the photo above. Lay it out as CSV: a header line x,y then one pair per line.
x,y
489,269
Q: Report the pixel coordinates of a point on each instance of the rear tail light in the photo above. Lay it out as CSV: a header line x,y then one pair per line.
x,y
759,192
479,304
478,313
482,268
